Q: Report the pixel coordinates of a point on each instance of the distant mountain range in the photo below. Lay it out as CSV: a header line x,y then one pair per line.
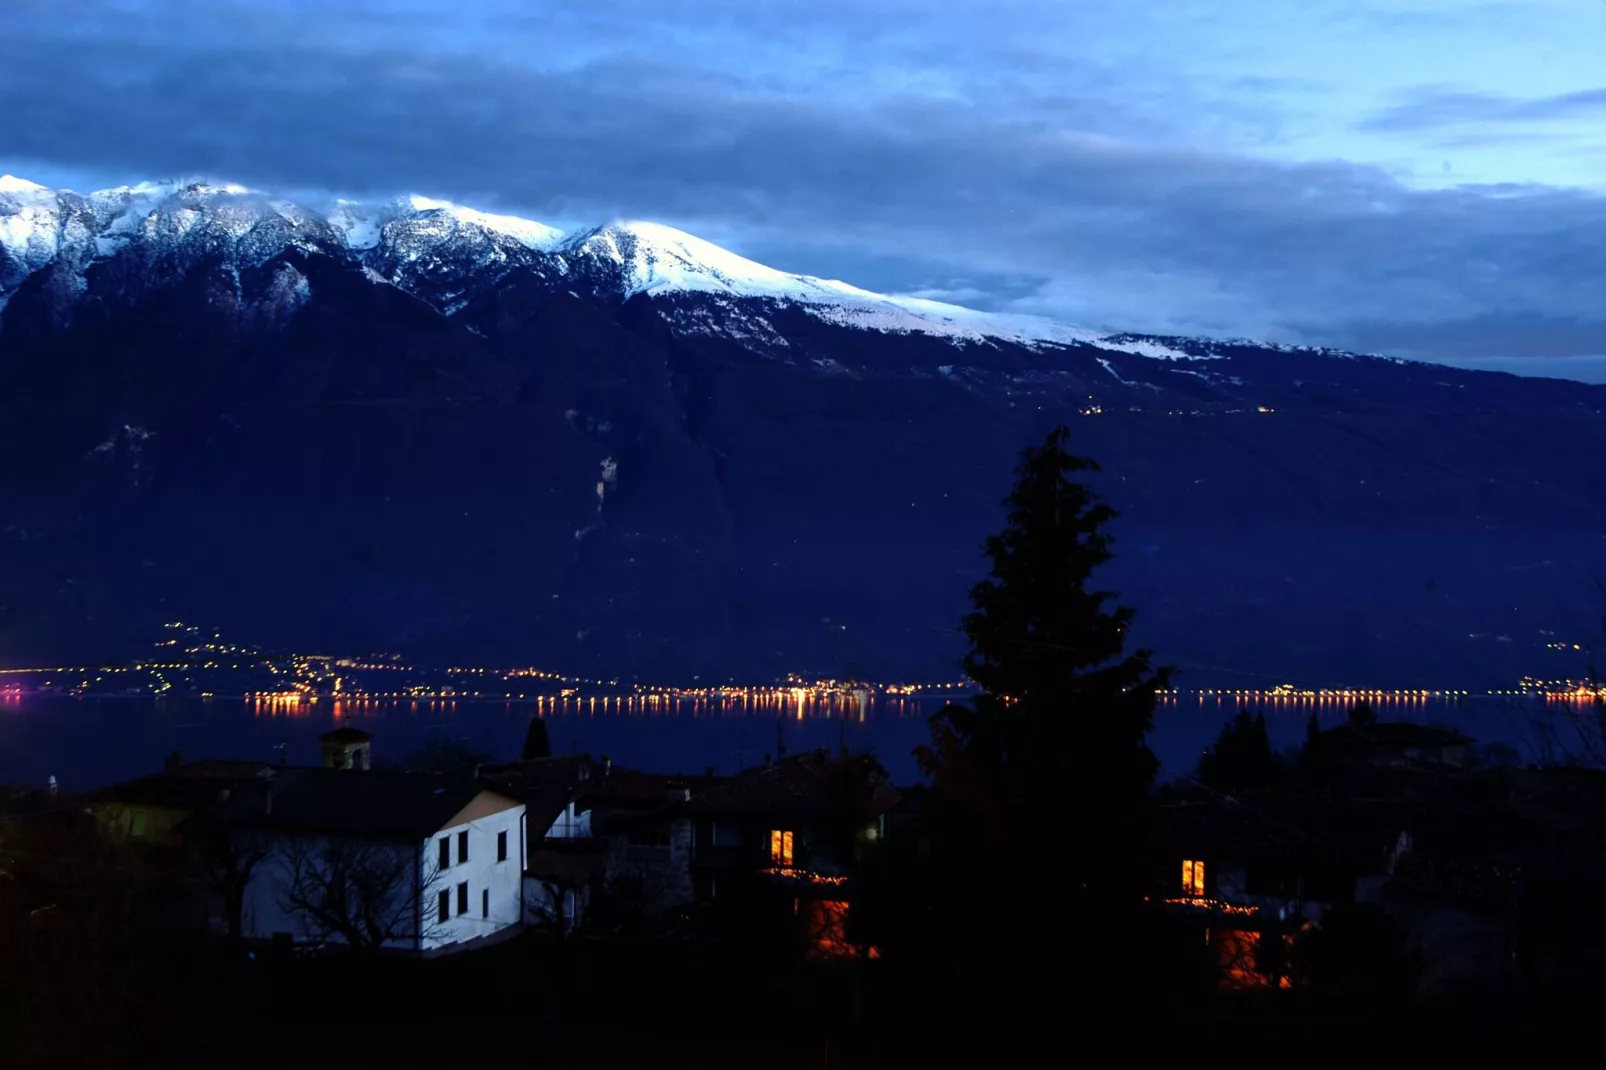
x,y
469,436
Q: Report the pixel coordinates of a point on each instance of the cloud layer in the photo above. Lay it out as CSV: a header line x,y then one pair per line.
x,y
974,154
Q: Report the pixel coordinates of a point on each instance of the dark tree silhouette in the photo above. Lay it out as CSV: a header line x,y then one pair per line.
x,y
439,754
537,744
1361,715
1046,773
226,864
1241,757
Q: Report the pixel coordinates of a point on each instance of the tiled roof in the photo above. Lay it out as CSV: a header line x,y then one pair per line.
x,y
377,803
189,787
1289,827
809,786
594,784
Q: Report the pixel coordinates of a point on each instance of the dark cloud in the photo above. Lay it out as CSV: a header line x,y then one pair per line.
x,y
932,192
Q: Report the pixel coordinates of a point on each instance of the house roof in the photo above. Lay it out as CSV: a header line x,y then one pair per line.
x,y
810,786
591,783
1325,829
376,803
189,787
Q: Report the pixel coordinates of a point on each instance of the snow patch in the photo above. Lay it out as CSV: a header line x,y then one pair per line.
x,y
528,232
1145,347
1111,369
358,225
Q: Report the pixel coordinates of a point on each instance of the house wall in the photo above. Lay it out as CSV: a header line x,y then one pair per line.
x,y
265,913
665,871
482,872
159,822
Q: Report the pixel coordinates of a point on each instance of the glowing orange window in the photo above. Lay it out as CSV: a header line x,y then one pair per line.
x,y
1193,878
780,847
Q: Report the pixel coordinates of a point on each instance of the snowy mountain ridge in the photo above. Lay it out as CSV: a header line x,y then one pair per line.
x,y
415,236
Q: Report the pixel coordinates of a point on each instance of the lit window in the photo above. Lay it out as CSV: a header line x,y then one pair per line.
x,y
826,930
137,825
780,847
1193,878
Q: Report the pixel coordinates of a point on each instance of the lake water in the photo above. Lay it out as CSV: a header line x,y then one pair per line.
x,y
89,742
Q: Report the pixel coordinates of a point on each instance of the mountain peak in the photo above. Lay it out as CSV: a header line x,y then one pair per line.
x,y
13,184
655,257
528,232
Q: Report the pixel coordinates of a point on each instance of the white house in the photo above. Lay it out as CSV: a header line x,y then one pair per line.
x,y
402,861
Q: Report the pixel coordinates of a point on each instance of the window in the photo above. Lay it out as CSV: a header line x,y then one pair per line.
x,y
780,847
138,823
446,852
1193,879
501,846
725,834
462,847
462,898
485,902
445,910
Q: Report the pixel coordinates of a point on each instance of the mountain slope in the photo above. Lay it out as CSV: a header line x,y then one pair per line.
x,y
415,426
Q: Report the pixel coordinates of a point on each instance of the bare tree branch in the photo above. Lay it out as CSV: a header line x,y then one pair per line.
x,y
367,894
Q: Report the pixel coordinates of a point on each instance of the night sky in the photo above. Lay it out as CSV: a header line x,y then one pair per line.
x,y
1418,177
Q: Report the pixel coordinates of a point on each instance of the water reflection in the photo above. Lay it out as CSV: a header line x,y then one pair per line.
x,y
795,704
88,742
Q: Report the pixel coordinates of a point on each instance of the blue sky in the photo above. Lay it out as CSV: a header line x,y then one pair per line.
x,y
1412,176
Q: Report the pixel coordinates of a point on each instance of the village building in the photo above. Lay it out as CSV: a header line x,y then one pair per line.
x,y
384,859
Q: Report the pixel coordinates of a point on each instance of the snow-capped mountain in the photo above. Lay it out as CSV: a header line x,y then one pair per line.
x,y
422,244
383,426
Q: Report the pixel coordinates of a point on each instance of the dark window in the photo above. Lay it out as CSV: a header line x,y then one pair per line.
x,y
726,834
501,846
445,910
462,847
485,902
446,852
462,898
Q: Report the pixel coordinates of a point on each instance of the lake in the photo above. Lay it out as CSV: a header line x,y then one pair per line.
x,y
89,742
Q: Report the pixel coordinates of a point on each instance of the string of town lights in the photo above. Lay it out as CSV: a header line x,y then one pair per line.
x,y
308,678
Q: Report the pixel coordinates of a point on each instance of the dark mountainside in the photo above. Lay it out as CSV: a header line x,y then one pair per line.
x,y
400,448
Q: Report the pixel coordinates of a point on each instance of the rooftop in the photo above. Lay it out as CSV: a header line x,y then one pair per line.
x,y
808,786
188,787
376,803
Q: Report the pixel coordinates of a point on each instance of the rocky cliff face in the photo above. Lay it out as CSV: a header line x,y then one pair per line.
x,y
414,426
